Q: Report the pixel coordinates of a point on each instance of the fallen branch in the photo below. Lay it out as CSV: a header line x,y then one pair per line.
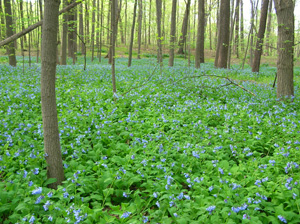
x,y
36,25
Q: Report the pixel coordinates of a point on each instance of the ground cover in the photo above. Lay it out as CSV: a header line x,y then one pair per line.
x,y
174,149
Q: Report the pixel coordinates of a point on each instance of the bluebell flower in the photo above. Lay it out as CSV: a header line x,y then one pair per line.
x,y
294,196
66,194
46,205
25,174
175,214
211,188
126,215
50,194
282,219
36,171
50,218
125,195
37,191
211,208
32,219
221,170
145,219
155,194
38,200
157,204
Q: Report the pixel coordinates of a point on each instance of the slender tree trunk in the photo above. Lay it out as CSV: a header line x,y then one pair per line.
x,y
132,34
64,37
210,31
182,39
224,34
9,32
159,34
149,24
140,18
93,30
173,33
237,28
87,23
101,31
285,60
242,27
108,24
269,25
29,34
253,15
98,28
260,36
49,110
200,35
125,24
72,37
114,19
22,19
217,34
232,16
81,33
2,22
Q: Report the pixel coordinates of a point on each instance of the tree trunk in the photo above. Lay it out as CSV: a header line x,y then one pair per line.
x,y
93,30
210,31
200,35
48,98
260,36
22,20
81,30
269,25
64,37
285,59
223,40
87,23
173,33
237,28
149,24
242,27
9,32
132,34
2,22
140,18
101,32
217,34
114,19
125,24
159,36
182,39
72,37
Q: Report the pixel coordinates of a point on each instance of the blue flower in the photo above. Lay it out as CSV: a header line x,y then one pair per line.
x,y
50,194
38,200
282,219
126,215
155,194
157,204
145,219
37,191
210,208
46,205
125,195
50,218
25,174
32,218
36,171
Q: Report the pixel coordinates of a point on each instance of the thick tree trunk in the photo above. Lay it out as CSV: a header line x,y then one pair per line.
x,y
200,35
140,18
49,111
159,36
9,32
182,39
223,40
132,34
285,60
173,33
260,36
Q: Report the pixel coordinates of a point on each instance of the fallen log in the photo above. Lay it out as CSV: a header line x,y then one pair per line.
x,y
36,25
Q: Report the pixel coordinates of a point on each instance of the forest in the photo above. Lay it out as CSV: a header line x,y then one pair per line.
x,y
149,111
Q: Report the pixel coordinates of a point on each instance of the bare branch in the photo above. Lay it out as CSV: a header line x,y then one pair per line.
x,y
36,25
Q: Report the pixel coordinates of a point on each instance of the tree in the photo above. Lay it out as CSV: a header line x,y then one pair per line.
x,y
242,26
268,48
182,39
223,39
113,36
49,111
285,48
260,36
237,23
132,34
72,37
159,34
9,32
173,32
200,35
140,18
64,37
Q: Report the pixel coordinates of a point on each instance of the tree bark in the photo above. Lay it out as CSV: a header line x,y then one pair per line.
x,y
81,30
114,22
49,110
159,36
242,27
64,37
285,47
200,35
72,37
224,34
93,29
173,33
149,24
132,34
237,28
269,25
260,36
34,26
182,39
9,32
140,18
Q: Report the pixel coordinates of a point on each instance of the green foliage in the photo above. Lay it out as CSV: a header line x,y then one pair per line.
x,y
172,150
